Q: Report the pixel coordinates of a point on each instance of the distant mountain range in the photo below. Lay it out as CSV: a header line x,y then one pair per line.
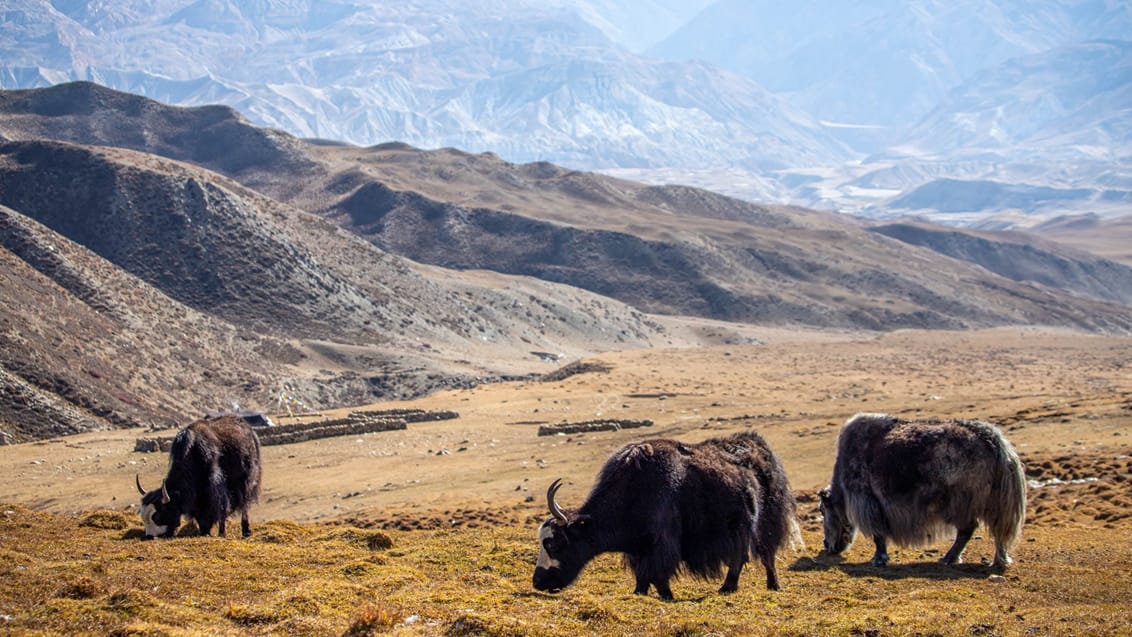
x,y
849,106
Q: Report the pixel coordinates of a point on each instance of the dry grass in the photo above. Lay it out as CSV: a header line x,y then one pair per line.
x,y
384,534
62,575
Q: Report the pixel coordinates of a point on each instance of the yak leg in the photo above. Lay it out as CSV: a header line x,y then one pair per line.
x,y
767,558
245,525
656,566
659,580
955,553
642,587
731,581
880,558
643,584
1001,559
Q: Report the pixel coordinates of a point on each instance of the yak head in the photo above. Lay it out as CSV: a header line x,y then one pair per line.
x,y
565,545
159,513
839,531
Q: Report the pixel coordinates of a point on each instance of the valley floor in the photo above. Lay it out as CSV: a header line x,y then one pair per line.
x,y
431,530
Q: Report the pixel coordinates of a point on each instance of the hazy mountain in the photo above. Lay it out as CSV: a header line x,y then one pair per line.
x,y
1069,101
884,63
527,81
1022,95
638,25
1041,134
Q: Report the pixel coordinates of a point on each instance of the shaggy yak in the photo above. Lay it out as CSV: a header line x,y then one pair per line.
x,y
214,471
664,504
916,481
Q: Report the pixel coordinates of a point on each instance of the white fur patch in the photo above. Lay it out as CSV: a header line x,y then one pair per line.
x,y
544,559
151,529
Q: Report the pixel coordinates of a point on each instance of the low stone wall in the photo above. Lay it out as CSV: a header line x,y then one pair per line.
x,y
300,432
591,425
415,415
355,423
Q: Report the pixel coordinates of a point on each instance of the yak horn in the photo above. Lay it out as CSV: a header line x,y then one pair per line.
x,y
137,479
555,510
164,493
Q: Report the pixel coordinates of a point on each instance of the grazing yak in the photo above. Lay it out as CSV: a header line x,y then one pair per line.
x,y
916,481
214,471
665,504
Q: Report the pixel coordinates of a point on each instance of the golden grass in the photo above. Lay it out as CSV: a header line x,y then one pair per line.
x,y
67,575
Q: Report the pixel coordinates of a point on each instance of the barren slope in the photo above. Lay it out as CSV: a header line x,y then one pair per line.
x,y
139,288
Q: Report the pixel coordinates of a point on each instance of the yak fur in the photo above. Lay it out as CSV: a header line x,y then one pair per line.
x,y
667,506
214,471
917,481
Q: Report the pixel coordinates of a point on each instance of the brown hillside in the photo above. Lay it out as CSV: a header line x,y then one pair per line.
x,y
141,289
1022,257
669,250
1105,237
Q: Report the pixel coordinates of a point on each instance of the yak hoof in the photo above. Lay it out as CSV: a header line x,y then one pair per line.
x,y
880,560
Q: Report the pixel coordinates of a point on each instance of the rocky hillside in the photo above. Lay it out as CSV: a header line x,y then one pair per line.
x,y
670,250
164,261
139,289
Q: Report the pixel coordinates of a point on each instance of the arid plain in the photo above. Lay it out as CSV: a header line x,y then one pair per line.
x,y
1063,398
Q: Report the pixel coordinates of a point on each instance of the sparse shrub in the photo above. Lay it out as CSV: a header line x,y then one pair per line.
x,y
139,629
690,629
357,569
113,520
373,620
588,611
82,588
280,532
373,540
248,615
470,624
130,601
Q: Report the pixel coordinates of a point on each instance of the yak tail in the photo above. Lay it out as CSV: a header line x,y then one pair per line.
x,y
795,536
778,511
1008,512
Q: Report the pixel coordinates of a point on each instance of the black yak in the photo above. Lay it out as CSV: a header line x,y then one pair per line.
x,y
916,481
665,504
214,471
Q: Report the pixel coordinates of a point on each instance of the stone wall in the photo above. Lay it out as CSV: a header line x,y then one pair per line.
x,y
611,424
355,423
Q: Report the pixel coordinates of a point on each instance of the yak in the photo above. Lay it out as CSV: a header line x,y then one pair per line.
x,y
916,481
665,505
214,471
